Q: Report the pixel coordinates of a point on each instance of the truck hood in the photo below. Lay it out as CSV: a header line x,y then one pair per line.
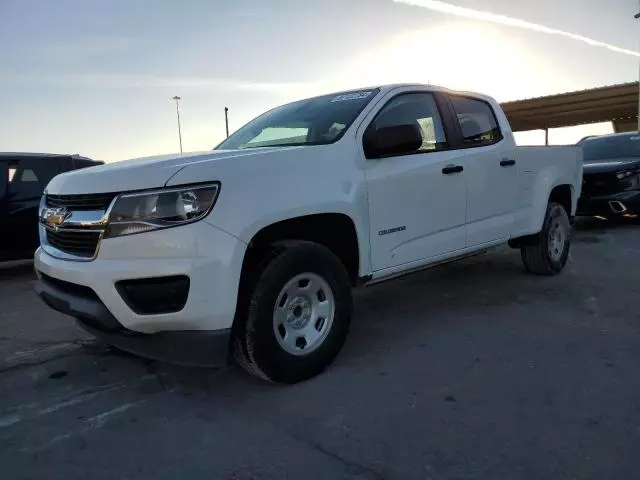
x,y
611,165
141,173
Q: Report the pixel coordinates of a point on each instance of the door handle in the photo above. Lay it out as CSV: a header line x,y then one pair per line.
x,y
449,169
507,162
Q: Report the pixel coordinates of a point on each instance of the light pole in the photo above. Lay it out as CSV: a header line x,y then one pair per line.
x,y
226,120
177,99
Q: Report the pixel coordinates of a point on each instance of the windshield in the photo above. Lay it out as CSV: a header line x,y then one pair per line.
x,y
315,121
606,148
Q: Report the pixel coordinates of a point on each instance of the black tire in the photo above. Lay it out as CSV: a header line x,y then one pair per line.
x,y
256,347
537,257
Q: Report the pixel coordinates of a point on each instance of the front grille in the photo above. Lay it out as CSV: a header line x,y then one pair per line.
x,y
97,201
599,184
75,242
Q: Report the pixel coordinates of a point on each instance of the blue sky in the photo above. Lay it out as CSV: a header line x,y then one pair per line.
x,y
96,78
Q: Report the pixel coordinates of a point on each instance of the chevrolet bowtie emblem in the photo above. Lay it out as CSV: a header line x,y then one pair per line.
x,y
54,217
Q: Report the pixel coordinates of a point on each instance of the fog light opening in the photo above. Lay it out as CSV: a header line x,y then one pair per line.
x,y
153,296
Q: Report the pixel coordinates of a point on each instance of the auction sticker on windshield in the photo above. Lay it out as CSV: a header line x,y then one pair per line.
x,y
351,96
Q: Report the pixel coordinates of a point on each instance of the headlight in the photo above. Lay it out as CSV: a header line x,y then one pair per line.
x,y
152,210
622,175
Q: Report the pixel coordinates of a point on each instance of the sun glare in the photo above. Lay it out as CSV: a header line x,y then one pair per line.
x,y
458,55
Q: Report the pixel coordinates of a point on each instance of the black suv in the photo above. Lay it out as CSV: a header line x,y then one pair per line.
x,y
611,181
23,178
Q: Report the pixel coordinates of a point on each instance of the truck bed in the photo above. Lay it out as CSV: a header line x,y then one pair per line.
x,y
540,169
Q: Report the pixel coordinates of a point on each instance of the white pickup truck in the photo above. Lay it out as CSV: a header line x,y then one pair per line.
x,y
253,248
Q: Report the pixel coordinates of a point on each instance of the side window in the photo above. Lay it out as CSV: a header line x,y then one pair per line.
x,y
415,109
29,177
477,121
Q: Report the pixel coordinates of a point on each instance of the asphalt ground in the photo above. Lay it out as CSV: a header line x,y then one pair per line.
x,y
473,370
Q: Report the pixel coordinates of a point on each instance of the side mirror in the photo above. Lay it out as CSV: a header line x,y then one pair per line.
x,y
4,179
393,140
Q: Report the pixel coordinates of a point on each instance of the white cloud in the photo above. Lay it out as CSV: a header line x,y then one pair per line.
x,y
109,80
250,13
443,7
89,46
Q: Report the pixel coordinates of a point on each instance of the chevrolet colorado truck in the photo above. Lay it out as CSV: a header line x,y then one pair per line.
x,y
251,250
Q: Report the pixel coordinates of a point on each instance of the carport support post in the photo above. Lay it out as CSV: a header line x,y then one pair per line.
x,y
636,16
638,93
546,136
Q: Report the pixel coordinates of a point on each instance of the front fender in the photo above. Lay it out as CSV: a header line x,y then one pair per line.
x,y
259,191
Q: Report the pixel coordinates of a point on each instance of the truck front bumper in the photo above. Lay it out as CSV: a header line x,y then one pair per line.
x,y
181,308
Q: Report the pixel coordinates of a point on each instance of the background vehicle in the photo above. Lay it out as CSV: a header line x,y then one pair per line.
x,y
611,182
257,244
23,177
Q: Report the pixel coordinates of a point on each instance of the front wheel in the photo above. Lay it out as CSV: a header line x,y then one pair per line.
x,y
298,316
549,254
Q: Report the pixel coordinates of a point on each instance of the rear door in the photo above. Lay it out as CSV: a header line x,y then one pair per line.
x,y
491,170
28,177
417,201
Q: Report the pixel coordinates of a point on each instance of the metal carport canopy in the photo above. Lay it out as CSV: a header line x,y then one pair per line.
x,y
612,103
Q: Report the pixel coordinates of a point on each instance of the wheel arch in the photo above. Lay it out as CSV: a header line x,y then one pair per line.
x,y
561,193
564,195
337,231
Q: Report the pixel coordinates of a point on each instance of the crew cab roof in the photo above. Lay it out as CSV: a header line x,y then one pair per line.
x,y
435,88
612,135
394,86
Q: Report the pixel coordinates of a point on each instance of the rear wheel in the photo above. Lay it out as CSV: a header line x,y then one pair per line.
x,y
298,316
548,255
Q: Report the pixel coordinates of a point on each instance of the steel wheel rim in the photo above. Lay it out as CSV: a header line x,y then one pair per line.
x,y
557,236
303,314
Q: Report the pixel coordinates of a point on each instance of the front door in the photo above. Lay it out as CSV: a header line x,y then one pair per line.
x,y
4,212
491,170
417,201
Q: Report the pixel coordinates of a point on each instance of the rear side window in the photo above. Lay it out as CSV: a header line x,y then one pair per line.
x,y
477,121
28,176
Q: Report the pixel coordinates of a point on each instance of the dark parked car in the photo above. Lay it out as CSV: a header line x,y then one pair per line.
x,y
23,178
611,181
